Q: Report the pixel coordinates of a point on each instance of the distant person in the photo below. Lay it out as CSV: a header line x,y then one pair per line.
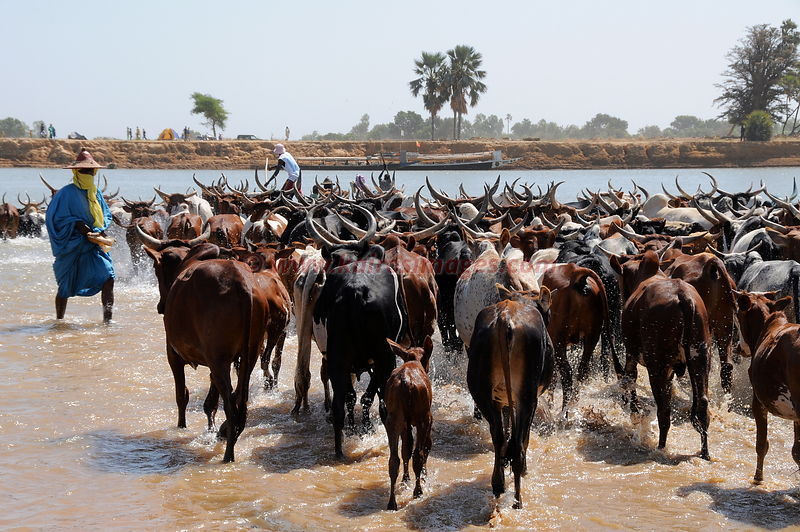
x,y
741,132
138,133
144,134
286,162
220,136
186,133
361,181
42,132
76,220
52,131
287,133
385,182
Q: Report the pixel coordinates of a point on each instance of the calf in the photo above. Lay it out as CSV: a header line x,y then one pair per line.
x,y
665,329
774,345
510,364
408,405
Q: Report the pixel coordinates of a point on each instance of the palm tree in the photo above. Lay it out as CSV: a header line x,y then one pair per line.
x,y
431,70
463,80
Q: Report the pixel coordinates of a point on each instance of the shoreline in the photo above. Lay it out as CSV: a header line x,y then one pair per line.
x,y
533,155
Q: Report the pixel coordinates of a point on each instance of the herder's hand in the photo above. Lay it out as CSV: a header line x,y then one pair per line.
x,y
82,228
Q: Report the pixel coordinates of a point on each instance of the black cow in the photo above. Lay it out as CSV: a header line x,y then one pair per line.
x,y
452,257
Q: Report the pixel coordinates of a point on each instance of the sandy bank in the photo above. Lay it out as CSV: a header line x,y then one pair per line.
x,y
681,153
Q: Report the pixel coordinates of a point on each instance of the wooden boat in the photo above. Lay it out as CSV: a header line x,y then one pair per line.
x,y
409,161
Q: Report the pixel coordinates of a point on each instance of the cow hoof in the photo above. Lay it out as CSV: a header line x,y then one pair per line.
x,y
705,456
222,433
417,492
391,506
517,505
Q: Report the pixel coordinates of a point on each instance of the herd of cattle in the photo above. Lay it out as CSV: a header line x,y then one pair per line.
x,y
515,277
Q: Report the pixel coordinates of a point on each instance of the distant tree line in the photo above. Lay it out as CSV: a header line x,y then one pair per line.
x,y
410,125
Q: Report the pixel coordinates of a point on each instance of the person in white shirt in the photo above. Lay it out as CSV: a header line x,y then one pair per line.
x,y
286,162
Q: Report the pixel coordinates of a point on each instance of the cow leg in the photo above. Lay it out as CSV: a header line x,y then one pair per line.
x,y
796,445
498,441
211,404
177,364
589,343
566,378
394,460
661,384
277,359
222,381
698,374
350,403
342,388
270,379
762,445
421,450
407,439
366,401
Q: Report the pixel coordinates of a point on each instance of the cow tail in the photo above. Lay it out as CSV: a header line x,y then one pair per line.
x,y
796,293
506,341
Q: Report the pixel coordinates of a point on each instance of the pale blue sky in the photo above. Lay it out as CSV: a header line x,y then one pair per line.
x,y
99,66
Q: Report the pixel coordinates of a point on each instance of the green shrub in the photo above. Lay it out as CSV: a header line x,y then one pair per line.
x,y
758,126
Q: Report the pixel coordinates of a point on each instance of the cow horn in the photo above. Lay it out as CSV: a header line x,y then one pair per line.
x,y
631,235
703,212
126,202
350,226
683,192
421,215
588,208
316,231
552,195
52,189
201,185
164,196
785,204
517,228
637,186
119,223
202,238
147,240
692,238
472,232
439,196
432,230
776,226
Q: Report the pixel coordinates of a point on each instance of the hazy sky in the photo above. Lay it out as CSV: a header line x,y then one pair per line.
x,y
99,66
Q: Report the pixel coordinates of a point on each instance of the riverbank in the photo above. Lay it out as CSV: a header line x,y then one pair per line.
x,y
534,155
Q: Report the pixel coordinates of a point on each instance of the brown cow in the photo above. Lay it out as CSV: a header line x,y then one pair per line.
x,y
9,220
774,345
226,230
579,311
141,214
215,313
510,364
665,329
530,240
184,226
420,289
408,398
707,274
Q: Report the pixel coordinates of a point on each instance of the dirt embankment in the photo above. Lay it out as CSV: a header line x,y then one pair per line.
x,y
681,153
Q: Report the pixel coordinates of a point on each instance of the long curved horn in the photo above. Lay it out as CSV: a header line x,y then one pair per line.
x,y
670,196
53,190
785,204
631,235
350,226
703,213
472,232
202,238
119,223
439,196
517,228
147,240
202,186
689,239
164,196
637,186
776,226
685,194
432,230
552,195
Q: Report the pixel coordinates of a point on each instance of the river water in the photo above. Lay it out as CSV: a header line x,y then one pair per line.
x,y
88,437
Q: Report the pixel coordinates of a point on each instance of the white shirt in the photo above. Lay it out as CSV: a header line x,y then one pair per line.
x,y
290,165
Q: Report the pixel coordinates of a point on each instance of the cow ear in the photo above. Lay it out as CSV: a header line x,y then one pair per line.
x,y
411,244
742,300
781,304
504,292
126,208
283,253
649,265
545,298
505,237
153,254
397,349
615,264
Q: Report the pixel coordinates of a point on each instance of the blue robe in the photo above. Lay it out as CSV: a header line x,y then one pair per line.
x,y
81,267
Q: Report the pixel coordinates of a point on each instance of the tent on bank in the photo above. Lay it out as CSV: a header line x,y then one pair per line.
x,y
168,134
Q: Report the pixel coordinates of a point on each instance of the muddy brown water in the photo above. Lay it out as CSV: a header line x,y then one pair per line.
x,y
88,439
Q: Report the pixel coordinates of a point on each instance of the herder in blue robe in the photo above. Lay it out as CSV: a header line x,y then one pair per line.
x,y
76,220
